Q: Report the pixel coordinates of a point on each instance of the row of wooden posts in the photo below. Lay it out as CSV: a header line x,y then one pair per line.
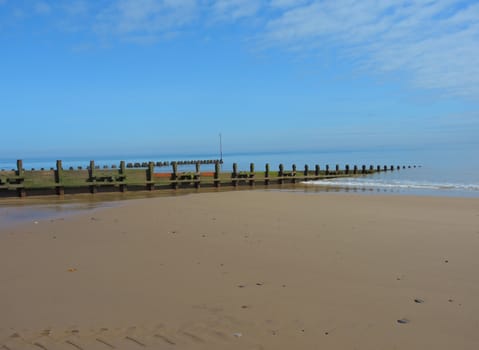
x,y
121,180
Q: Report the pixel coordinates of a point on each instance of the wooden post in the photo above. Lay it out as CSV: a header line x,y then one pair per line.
x,y
234,175
398,167
317,170
197,175
378,169
217,174
174,175
385,168
371,169
20,173
281,174
363,169
266,174
150,186
123,186
91,173
337,169
355,169
392,167
251,175
346,169
327,169
293,173
306,172
60,190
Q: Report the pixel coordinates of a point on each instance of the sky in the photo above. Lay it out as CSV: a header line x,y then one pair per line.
x,y
125,77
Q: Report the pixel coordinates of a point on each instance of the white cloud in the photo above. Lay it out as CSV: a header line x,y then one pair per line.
x,y
287,3
436,42
235,9
145,16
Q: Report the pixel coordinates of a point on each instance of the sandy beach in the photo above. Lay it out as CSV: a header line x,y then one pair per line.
x,y
246,270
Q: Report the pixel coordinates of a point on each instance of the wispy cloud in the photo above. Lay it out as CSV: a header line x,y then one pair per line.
x,y
137,18
435,43
233,10
287,3
432,44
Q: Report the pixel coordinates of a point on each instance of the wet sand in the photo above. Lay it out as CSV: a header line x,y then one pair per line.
x,y
246,270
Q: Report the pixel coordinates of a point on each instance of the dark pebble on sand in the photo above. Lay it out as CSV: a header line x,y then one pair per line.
x,y
418,301
403,321
244,306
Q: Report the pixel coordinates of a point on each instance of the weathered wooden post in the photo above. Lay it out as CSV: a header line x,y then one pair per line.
x,y
281,174
385,168
317,170
378,169
217,174
234,175
371,169
306,172
327,169
337,169
197,176
123,186
346,169
92,179
20,172
398,167
60,190
266,174
293,173
355,169
251,175
174,175
150,185
392,167
20,179
363,169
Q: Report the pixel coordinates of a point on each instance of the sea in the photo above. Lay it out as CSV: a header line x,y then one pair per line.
x,y
429,171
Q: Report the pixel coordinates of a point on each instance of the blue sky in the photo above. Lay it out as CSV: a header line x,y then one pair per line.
x,y
109,77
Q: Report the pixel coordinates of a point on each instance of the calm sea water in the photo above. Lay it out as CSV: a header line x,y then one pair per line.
x,y
452,171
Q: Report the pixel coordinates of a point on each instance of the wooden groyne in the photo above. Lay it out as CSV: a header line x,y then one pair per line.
x,y
129,176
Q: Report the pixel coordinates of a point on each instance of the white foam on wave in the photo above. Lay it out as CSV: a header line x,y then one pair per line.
x,y
351,183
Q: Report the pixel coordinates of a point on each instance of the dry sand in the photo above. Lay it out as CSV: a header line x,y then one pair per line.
x,y
246,270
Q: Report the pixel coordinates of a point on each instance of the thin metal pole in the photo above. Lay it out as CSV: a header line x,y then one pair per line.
x,y
221,150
